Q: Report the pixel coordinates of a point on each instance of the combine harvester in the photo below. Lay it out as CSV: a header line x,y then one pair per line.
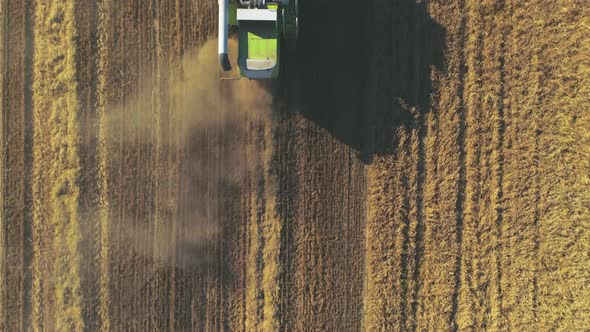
x,y
267,32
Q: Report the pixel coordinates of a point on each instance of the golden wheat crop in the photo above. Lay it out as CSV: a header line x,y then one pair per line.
x,y
561,44
387,214
444,178
473,217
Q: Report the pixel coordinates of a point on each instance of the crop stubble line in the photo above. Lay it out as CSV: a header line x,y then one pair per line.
x,y
174,178
247,206
253,290
139,203
272,231
461,180
112,59
157,176
149,142
286,177
103,99
3,167
162,155
153,162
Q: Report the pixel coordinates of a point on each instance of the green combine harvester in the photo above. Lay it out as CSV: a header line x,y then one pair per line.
x,y
266,30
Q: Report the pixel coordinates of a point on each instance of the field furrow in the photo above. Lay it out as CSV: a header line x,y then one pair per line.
x,y
86,22
468,316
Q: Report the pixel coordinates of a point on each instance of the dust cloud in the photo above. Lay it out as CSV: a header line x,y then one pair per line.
x,y
194,98
189,113
169,248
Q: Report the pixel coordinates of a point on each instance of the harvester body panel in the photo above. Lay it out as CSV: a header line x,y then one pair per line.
x,y
258,56
262,32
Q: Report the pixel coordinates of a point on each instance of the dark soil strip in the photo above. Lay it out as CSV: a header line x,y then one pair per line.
x,y
27,228
86,26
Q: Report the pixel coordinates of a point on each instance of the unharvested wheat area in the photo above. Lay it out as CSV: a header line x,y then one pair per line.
x,y
423,167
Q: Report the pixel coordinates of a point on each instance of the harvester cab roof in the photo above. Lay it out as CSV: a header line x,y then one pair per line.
x,y
265,28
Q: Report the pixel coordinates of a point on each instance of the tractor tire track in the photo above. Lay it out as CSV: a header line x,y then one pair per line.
x,y
492,168
468,306
445,151
287,175
86,44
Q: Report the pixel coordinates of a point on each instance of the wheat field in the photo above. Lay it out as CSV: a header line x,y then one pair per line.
x,y
420,166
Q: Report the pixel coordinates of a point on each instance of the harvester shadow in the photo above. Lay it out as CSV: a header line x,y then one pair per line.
x,y
363,74
360,75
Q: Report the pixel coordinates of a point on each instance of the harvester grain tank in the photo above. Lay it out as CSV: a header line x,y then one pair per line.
x,y
266,29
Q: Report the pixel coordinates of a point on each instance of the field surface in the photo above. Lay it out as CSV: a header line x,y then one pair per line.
x,y
420,166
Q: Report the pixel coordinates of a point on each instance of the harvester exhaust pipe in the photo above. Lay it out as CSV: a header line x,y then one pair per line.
x,y
222,37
